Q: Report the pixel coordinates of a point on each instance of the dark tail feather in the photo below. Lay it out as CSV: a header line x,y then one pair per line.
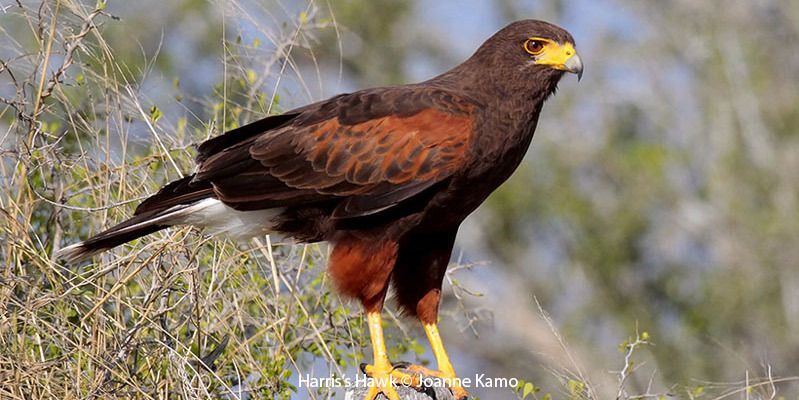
x,y
157,212
108,239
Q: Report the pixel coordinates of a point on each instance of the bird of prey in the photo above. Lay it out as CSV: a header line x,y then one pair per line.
x,y
386,175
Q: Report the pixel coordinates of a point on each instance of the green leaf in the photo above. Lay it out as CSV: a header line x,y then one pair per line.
x,y
698,391
528,388
155,113
576,387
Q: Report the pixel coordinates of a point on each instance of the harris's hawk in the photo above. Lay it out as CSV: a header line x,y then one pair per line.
x,y
386,175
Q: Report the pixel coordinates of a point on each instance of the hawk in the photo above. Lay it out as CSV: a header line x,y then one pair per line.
x,y
386,175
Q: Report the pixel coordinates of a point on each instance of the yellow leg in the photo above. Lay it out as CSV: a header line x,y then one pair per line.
x,y
383,374
445,370
444,365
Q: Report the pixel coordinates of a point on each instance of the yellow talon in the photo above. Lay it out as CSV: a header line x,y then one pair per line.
x,y
445,372
397,377
384,379
448,379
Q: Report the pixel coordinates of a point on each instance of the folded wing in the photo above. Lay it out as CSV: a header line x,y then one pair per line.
x,y
366,152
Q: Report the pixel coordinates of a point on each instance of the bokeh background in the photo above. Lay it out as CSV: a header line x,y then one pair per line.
x,y
660,196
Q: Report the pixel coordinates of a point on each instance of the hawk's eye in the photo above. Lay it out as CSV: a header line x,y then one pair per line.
x,y
533,46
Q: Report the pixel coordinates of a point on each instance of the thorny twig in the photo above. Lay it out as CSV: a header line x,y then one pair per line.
x,y
629,366
71,44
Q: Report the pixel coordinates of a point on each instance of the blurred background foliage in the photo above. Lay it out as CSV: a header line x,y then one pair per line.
x,y
660,194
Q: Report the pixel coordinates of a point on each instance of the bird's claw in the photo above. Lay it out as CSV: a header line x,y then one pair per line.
x,y
400,364
448,378
384,377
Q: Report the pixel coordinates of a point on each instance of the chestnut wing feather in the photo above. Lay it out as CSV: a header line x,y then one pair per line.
x,y
368,151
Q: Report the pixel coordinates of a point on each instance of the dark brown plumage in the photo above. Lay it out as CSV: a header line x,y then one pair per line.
x,y
387,174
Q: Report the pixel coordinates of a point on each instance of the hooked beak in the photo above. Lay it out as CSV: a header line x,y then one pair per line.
x,y
562,57
574,65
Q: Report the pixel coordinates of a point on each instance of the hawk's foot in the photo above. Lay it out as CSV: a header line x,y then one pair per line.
x,y
385,377
446,378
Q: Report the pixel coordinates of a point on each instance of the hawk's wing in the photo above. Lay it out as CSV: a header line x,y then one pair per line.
x,y
370,150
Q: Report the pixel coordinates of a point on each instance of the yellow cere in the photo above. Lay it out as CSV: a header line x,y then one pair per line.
x,y
554,54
